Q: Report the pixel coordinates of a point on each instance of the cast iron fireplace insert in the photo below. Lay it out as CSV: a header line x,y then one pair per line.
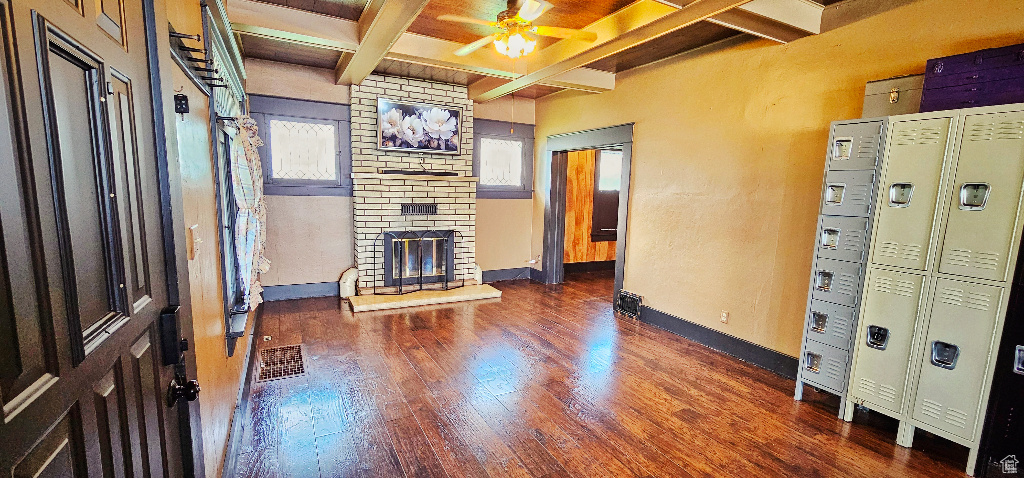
x,y
415,258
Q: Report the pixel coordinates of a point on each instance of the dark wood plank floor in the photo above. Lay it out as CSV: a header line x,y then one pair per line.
x,y
545,382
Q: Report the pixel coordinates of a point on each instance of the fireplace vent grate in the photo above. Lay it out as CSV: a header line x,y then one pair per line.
x,y
419,209
281,362
628,304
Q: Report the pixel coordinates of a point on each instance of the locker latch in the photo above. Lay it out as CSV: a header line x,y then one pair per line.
x,y
819,321
834,193
842,149
1018,360
830,238
823,280
878,337
900,194
812,362
945,355
974,196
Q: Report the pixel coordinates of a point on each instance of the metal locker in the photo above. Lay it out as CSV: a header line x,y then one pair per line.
x,y
855,146
848,193
885,336
842,238
909,192
955,355
837,282
986,192
830,324
824,366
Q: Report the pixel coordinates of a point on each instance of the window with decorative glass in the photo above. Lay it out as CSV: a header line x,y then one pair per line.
x,y
501,162
303,150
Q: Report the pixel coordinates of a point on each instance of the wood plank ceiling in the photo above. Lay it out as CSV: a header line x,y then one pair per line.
x,y
566,13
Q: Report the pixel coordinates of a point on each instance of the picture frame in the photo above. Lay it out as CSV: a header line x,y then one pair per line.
x,y
418,127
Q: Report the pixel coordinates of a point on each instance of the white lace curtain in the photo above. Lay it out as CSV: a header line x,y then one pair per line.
x,y
250,222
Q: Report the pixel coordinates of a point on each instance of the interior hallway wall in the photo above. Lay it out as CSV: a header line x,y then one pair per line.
x,y
728,152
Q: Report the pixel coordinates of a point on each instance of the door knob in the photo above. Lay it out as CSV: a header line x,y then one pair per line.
x,y
182,389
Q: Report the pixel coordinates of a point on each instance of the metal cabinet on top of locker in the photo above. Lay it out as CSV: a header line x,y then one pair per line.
x,y
843,234
946,231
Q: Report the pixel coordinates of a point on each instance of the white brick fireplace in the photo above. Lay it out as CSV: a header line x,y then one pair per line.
x,y
378,198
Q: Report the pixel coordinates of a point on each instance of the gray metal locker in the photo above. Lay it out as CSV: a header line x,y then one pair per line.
x,y
835,281
848,193
886,331
855,147
955,355
909,191
985,196
824,366
830,324
842,238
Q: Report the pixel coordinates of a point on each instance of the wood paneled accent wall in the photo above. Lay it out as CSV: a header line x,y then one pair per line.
x,y
579,212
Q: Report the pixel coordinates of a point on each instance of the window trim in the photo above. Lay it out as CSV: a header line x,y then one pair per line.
x,y
500,130
267,108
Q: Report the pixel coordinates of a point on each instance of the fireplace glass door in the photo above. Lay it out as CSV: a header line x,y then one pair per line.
x,y
426,255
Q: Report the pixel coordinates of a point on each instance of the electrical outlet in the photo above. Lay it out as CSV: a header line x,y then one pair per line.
x,y
266,338
725,317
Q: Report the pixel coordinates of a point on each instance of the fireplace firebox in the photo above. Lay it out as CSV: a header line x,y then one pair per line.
x,y
414,258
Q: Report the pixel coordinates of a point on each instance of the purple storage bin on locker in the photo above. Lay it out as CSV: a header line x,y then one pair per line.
x,y
983,78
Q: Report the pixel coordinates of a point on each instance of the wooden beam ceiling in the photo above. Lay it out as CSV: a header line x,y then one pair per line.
x,y
381,24
624,29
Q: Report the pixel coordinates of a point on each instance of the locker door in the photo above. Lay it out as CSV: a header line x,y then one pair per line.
x,y
955,355
885,335
855,146
842,238
985,197
909,192
837,282
848,193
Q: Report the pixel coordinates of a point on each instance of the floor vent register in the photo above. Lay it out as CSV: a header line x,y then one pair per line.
x,y
281,362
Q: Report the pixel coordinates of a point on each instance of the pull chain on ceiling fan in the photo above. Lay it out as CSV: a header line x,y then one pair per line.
x,y
515,26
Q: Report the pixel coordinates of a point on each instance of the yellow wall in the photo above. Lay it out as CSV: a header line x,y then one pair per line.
x,y
503,233
728,152
309,239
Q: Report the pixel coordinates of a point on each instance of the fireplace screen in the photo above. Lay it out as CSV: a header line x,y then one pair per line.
x,y
417,257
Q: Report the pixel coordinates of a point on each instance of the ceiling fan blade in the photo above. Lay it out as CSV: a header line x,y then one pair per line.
x,y
564,33
532,9
462,19
475,45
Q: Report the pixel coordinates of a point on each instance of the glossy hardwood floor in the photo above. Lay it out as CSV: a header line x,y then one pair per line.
x,y
545,382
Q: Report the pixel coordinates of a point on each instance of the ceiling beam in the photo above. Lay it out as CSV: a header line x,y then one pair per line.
x,y
777,20
757,25
290,25
380,25
616,32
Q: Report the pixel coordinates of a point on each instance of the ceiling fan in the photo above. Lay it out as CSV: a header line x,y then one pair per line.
x,y
515,26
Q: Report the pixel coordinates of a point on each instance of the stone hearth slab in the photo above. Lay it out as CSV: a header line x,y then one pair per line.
x,y
365,303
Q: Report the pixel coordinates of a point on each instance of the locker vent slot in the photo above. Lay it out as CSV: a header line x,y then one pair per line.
x,y
931,409
859,194
978,301
887,394
956,417
979,260
951,296
911,252
986,260
883,285
845,284
854,241
840,324
959,257
1002,130
889,249
868,148
1011,130
836,369
904,288
868,387
981,132
912,136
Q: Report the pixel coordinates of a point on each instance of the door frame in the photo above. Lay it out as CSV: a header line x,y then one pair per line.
x,y
557,154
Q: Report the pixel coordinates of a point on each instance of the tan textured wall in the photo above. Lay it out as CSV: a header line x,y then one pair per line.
x,y
293,81
309,239
503,233
728,153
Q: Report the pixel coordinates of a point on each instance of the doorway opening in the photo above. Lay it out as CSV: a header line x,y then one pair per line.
x,y
586,208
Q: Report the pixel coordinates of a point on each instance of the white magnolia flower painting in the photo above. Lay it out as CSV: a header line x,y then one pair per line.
x,y
416,127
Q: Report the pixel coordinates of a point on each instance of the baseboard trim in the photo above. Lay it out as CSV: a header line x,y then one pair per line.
x,y
593,266
749,352
506,274
538,275
273,293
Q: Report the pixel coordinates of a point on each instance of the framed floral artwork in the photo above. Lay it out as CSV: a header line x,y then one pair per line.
x,y
418,127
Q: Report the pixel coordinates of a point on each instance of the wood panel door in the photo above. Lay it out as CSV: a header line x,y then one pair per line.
x,y
82,265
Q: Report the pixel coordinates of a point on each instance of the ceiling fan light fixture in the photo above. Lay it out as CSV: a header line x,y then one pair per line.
x,y
515,45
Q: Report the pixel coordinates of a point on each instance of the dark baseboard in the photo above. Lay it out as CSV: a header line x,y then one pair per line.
x,y
272,293
765,358
506,274
593,266
538,275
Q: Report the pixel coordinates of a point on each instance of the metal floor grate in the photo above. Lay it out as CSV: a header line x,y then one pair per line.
x,y
629,304
281,362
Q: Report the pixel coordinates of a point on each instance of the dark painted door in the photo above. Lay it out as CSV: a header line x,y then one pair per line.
x,y
607,182
82,279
